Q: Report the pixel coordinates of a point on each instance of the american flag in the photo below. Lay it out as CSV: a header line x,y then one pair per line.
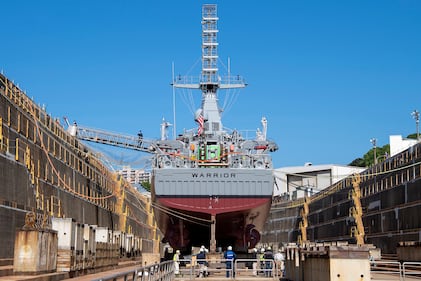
x,y
201,121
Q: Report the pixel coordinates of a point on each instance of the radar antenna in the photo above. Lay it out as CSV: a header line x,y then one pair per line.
x,y
209,81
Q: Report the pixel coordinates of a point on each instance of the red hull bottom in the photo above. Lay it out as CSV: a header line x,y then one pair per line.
x,y
186,222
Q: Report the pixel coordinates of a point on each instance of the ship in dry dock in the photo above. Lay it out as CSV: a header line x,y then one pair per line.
x,y
378,206
212,186
48,173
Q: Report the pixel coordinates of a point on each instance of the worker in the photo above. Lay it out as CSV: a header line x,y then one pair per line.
x,y
268,256
254,263
230,256
280,262
262,261
201,260
140,138
176,259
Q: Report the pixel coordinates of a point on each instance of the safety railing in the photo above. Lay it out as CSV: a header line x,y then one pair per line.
x,y
189,270
239,268
214,268
203,268
266,268
411,270
157,272
185,269
386,270
394,270
165,271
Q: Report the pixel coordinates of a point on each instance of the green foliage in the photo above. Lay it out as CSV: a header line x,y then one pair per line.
x,y
359,162
368,158
412,136
146,185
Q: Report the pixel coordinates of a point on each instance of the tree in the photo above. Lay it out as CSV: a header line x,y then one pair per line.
x,y
368,158
412,136
381,154
359,162
146,185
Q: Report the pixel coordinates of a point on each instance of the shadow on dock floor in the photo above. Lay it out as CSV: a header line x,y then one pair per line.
x,y
6,273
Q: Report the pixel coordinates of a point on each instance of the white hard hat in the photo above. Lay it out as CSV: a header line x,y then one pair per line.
x,y
269,249
255,250
262,250
229,248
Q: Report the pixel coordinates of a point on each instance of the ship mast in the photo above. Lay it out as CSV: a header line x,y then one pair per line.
x,y
209,81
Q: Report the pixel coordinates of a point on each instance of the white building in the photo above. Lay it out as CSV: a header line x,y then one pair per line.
x,y
296,182
399,144
134,176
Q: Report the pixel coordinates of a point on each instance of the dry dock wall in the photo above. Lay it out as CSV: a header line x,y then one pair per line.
x,y
389,204
19,201
15,185
45,170
409,251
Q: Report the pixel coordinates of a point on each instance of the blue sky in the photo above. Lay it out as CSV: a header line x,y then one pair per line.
x,y
328,75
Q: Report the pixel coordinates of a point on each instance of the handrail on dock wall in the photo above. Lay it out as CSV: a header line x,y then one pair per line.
x,y
156,272
395,269
386,268
411,268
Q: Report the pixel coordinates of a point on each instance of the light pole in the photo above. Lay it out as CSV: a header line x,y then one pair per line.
x,y
374,143
416,116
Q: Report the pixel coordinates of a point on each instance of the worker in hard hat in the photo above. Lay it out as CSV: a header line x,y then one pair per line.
x,y
176,259
269,261
255,259
201,260
280,262
230,256
262,261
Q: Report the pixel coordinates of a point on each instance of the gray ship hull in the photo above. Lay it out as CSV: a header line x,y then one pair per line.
x,y
189,201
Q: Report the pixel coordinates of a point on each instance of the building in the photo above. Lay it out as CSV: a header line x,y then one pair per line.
x,y
399,144
135,176
297,182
